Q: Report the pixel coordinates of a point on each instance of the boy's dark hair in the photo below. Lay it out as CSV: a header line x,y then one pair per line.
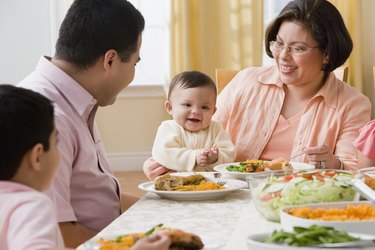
x,y
92,27
26,119
326,26
191,79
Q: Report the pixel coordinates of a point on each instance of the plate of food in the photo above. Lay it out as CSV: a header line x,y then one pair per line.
x,y
180,239
275,189
354,217
191,187
240,170
308,238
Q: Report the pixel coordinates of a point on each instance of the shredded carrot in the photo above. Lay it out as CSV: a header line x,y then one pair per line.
x,y
349,213
203,185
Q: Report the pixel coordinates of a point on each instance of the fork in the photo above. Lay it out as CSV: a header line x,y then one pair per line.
x,y
221,183
294,156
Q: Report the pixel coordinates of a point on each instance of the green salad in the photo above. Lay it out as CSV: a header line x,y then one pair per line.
x,y
301,188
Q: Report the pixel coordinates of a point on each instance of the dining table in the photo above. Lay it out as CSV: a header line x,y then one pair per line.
x,y
223,223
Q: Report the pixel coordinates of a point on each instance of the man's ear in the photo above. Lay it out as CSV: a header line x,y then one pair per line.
x,y
168,106
109,57
34,156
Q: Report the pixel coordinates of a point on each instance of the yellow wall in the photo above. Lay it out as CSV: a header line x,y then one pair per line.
x,y
130,124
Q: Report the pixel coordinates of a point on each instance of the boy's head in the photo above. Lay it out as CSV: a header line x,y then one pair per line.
x,y
192,100
27,133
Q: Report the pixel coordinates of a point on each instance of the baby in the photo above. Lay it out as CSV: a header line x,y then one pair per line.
x,y
191,141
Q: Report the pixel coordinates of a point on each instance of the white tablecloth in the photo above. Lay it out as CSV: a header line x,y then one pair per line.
x,y
221,223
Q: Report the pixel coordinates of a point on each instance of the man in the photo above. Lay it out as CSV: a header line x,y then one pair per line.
x,y
96,53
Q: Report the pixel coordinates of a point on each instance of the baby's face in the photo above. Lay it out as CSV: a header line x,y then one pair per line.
x,y
192,108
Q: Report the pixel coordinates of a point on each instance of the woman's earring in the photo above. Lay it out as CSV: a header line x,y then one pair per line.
x,y
325,67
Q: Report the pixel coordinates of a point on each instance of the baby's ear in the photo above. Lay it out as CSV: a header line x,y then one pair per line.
x,y
168,106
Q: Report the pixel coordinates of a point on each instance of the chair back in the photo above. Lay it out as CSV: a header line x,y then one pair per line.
x,y
224,76
342,73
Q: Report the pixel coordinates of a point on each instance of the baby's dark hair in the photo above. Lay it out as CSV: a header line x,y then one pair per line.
x,y
26,119
191,79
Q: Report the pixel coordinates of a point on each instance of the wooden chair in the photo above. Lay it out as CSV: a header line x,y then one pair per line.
x,y
342,73
224,76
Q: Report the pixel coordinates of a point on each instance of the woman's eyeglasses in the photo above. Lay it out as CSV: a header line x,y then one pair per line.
x,y
296,50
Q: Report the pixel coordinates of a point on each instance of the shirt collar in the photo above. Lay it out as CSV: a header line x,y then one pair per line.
x,y
81,100
13,187
270,76
328,91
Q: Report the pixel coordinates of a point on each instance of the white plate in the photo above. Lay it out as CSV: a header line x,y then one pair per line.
x,y
241,175
254,242
92,244
289,221
230,186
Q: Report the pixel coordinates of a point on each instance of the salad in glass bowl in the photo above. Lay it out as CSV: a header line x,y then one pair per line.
x,y
272,190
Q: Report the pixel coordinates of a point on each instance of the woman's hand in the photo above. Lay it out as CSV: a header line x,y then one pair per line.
x,y
322,157
153,242
153,169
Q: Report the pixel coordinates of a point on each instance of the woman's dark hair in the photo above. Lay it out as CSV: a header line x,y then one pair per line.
x,y
191,79
92,27
26,119
326,26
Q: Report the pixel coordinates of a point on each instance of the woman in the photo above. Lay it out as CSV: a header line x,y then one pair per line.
x,y
297,107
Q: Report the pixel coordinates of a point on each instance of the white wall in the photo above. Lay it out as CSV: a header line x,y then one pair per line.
x,y
25,35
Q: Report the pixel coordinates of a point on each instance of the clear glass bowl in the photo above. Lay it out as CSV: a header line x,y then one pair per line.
x,y
275,189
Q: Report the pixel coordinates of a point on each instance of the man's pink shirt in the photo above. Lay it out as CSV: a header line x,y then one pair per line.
x,y
84,189
28,219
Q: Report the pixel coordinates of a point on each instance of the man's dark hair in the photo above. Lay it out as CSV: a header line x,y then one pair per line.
x,y
26,119
191,79
326,26
92,27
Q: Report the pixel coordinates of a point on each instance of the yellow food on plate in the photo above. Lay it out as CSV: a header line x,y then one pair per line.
x,y
181,240
123,242
348,213
195,182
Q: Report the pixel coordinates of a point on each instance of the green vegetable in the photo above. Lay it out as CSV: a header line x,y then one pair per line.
x,y
310,236
242,166
153,229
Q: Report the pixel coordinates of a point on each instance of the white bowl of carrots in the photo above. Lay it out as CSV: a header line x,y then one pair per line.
x,y
354,217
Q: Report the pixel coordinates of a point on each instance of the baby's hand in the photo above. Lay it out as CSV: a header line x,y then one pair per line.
x,y
202,157
213,154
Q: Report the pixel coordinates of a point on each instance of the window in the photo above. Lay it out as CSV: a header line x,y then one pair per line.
x,y
154,67
271,9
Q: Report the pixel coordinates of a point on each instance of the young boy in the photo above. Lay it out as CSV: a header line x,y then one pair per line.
x,y
28,163
191,141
